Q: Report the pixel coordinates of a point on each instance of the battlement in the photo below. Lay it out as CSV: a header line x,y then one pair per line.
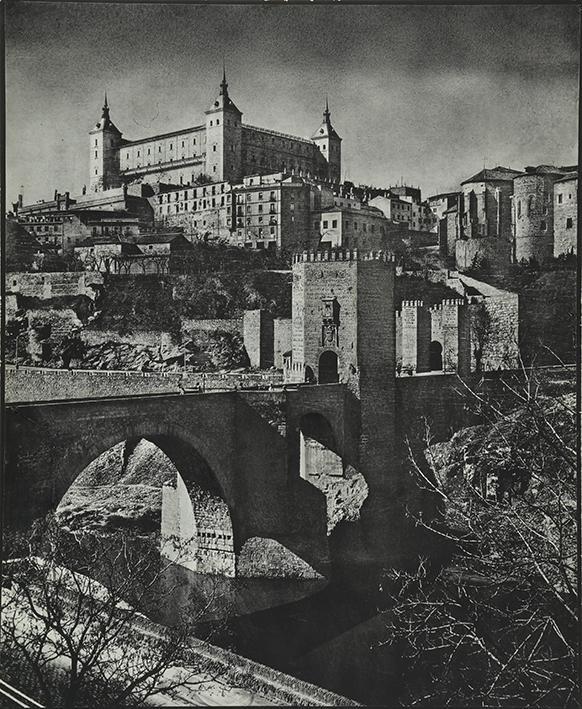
x,y
447,302
347,255
412,304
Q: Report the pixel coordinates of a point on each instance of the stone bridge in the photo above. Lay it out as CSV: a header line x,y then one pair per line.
x,y
252,466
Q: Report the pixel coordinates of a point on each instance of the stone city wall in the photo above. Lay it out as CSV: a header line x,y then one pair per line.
x,y
435,398
50,285
472,252
282,335
140,338
224,324
498,316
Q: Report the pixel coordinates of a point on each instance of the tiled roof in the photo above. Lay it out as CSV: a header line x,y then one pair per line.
x,y
161,136
496,173
568,177
159,238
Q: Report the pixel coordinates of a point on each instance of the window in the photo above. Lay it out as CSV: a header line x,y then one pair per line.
x,y
518,208
95,146
138,153
334,224
171,147
127,156
214,168
569,223
149,152
325,224
218,121
95,155
211,123
214,148
543,225
182,143
560,197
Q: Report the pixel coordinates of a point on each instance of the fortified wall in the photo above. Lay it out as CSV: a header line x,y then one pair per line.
x,y
51,285
434,339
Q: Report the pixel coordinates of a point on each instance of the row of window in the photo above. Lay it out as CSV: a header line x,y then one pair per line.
x,y
346,225
239,221
260,196
261,233
202,204
149,150
294,146
561,196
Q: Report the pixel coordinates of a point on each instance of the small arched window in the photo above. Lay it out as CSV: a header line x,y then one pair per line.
x,y
518,208
530,204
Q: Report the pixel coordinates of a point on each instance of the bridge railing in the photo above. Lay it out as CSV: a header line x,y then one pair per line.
x,y
37,384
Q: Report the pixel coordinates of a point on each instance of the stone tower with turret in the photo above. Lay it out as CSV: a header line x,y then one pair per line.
x,y
330,146
104,142
223,137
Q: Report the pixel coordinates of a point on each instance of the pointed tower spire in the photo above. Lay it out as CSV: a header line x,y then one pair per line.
x,y
105,113
326,113
223,85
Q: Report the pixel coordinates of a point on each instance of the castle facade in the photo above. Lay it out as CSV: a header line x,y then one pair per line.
x,y
223,148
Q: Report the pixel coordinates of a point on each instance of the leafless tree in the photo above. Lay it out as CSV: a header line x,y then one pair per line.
x,y
498,625
75,641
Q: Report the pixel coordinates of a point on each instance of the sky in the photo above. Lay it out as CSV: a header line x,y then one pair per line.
x,y
420,93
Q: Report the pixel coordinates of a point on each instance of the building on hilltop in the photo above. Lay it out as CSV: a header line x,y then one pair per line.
x,y
261,211
485,229
223,148
64,222
503,216
146,254
352,226
439,204
533,213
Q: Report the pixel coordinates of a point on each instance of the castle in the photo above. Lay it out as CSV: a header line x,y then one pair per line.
x,y
223,148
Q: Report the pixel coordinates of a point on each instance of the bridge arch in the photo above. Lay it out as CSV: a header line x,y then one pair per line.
x,y
318,448
156,485
51,443
175,442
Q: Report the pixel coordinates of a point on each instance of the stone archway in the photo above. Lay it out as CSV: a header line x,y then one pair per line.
x,y
435,356
328,367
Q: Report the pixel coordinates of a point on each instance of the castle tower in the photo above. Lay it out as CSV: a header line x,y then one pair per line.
x,y
533,213
223,137
343,330
104,142
330,146
413,331
450,347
